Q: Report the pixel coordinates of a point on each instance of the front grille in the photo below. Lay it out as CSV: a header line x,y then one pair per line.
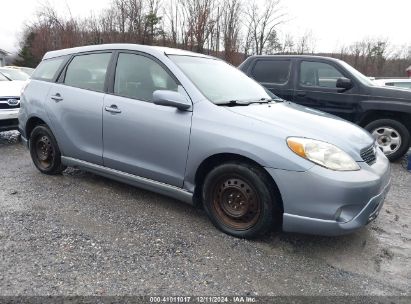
x,y
4,103
368,155
5,106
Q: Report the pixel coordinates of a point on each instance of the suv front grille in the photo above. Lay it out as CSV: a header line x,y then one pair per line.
x,y
368,155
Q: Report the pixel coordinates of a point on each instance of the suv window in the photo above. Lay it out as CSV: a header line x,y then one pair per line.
x,y
138,77
272,71
318,74
88,71
47,69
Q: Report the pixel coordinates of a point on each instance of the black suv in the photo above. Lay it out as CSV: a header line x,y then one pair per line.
x,y
333,86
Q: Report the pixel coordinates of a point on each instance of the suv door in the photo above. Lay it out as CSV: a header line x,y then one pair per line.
x,y
75,106
274,75
316,88
140,137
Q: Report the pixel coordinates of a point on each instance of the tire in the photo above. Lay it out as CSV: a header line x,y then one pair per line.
x,y
240,200
392,137
44,151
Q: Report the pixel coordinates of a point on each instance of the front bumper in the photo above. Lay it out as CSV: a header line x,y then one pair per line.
x,y
9,119
325,202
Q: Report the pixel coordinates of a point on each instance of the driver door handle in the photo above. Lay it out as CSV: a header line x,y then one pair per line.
x,y
301,94
113,109
57,97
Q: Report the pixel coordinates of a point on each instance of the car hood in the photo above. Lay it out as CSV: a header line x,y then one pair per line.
x,y
11,88
391,93
289,119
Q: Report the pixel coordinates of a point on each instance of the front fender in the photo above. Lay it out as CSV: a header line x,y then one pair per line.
x,y
215,130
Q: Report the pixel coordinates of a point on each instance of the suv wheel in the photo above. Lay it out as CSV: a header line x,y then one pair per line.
x,y
239,200
44,151
392,137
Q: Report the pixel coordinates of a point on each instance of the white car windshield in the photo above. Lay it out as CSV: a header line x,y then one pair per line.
x,y
3,78
14,74
220,82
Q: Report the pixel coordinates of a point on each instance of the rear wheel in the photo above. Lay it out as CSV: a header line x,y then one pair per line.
x,y
392,137
239,200
44,151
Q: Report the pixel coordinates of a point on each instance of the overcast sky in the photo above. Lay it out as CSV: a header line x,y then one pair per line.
x,y
332,22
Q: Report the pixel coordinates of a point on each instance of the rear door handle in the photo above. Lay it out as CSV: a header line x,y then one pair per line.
x,y
112,109
57,97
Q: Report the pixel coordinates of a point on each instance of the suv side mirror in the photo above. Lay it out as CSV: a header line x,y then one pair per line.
x,y
171,99
344,83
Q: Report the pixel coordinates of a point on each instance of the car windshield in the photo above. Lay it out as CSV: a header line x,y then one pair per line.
x,y
14,74
361,77
3,78
220,82
28,71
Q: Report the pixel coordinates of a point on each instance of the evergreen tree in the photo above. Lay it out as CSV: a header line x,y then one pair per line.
x,y
25,57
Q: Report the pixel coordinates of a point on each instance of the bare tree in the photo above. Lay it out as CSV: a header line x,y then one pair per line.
x,y
288,45
231,28
263,21
306,43
200,21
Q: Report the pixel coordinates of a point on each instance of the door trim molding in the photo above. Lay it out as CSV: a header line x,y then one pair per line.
x,y
134,180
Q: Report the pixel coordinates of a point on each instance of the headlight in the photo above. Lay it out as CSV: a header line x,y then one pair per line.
x,y
322,153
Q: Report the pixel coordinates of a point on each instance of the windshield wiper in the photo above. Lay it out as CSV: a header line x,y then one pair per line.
x,y
234,102
272,99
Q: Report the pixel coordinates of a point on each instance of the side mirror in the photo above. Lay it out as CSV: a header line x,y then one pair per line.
x,y
344,83
171,99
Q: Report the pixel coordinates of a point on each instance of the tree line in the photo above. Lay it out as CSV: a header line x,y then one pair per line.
x,y
229,29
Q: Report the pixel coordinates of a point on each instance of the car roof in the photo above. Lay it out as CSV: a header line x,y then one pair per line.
x,y
294,57
153,50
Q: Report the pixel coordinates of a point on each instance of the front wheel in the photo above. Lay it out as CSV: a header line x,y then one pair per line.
x,y
240,200
392,137
44,151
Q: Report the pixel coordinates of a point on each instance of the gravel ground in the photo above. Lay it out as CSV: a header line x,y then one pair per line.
x,y
81,234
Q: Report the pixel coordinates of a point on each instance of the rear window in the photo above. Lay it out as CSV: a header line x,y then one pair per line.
x,y
47,69
272,71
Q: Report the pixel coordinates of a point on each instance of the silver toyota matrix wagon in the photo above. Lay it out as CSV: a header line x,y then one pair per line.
x,y
195,128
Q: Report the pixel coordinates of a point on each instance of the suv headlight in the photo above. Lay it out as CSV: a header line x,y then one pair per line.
x,y
322,153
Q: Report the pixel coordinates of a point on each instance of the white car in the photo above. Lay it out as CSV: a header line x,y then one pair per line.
x,y
28,71
398,83
9,102
14,74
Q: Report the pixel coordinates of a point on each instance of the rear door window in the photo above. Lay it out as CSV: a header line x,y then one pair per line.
x,y
47,69
272,71
88,71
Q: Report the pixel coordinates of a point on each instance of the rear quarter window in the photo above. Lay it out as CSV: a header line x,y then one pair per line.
x,y
48,69
272,71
